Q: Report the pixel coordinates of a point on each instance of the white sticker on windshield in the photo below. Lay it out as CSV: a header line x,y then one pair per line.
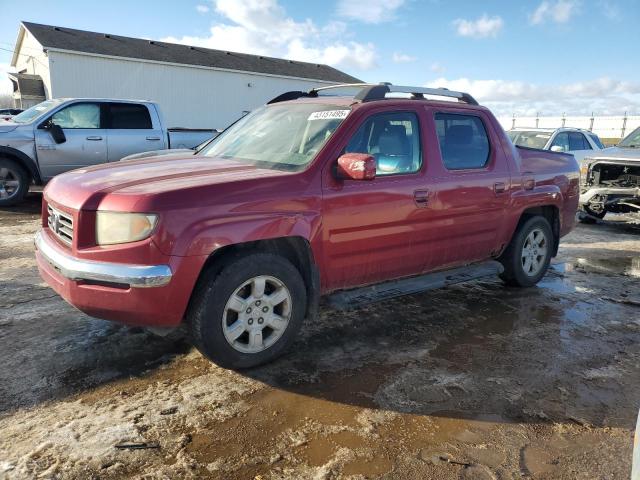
x,y
329,115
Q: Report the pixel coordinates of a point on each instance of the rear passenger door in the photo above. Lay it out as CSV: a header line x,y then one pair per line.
x,y
469,182
131,129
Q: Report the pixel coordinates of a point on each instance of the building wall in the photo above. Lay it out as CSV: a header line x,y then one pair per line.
x,y
33,60
188,96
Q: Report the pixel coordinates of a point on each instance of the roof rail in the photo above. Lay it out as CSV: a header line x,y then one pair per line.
x,y
370,92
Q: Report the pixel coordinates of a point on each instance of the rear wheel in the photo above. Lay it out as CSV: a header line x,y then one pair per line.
x,y
527,257
249,312
14,182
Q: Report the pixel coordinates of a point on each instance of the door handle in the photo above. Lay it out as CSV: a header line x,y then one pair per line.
x,y
153,138
499,187
95,138
421,197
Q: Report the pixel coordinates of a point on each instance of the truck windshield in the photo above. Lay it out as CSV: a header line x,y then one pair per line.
x,y
36,111
632,140
530,139
283,137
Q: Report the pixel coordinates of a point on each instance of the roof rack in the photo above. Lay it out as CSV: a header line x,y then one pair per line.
x,y
370,92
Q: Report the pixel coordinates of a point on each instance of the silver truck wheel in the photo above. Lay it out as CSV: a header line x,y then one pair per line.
x,y
257,314
534,252
14,182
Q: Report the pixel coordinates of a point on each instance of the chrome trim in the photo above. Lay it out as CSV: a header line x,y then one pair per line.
x,y
137,276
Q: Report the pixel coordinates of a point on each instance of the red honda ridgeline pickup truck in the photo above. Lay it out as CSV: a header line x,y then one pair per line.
x,y
309,195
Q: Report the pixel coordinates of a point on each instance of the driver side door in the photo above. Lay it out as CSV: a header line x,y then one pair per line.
x,y
85,141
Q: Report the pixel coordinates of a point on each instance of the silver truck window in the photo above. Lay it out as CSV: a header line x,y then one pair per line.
x,y
129,116
78,115
36,111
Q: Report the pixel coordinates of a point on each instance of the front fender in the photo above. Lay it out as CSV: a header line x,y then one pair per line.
x,y
23,159
204,238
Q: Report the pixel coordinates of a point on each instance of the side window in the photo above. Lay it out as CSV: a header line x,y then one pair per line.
x,y
393,139
578,142
562,141
129,116
78,115
464,143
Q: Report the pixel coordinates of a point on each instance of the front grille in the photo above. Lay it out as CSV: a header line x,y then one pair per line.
x,y
61,224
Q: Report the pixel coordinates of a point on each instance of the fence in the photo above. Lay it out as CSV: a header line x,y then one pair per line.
x,y
613,127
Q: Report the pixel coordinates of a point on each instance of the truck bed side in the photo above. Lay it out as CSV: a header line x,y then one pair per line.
x,y
548,179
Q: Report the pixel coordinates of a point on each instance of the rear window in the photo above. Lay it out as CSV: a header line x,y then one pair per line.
x,y
464,143
129,116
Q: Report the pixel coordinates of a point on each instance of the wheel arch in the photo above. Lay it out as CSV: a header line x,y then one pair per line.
x,y
552,214
296,249
24,160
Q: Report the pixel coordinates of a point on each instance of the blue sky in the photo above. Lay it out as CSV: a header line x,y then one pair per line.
x,y
547,56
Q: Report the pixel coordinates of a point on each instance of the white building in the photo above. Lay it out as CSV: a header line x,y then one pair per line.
x,y
195,87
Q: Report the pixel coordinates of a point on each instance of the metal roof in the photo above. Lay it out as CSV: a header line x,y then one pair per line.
x,y
62,38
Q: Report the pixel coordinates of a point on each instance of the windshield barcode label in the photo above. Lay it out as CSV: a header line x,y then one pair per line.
x,y
329,115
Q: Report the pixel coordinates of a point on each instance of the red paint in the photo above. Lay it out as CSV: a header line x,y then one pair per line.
x,y
360,232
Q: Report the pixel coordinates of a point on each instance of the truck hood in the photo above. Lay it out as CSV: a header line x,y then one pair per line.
x,y
615,153
87,187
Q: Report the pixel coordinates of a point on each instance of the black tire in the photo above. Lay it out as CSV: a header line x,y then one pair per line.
x,y
15,173
215,288
514,273
589,216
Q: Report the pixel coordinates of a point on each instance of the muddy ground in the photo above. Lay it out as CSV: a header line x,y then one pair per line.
x,y
477,381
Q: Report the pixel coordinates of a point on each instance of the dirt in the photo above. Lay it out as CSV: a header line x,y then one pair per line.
x,y
476,381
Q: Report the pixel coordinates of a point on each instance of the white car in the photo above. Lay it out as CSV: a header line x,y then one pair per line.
x,y
579,142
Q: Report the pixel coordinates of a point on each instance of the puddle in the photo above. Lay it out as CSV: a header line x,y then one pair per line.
x,y
629,266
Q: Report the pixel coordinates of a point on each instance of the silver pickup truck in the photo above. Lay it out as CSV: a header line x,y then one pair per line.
x,y
611,180
62,134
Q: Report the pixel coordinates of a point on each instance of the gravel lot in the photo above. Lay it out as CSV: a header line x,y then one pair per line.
x,y
476,381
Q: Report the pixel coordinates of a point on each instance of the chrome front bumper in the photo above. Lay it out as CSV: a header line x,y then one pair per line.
x,y
138,276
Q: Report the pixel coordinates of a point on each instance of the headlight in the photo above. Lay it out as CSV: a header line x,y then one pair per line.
x,y
116,227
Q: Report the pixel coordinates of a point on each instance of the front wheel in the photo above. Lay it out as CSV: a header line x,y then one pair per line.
x,y
14,182
527,257
249,312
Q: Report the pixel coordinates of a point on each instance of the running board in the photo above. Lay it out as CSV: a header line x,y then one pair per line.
x,y
358,297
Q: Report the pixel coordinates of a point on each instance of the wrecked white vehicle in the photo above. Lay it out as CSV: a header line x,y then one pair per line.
x,y
611,180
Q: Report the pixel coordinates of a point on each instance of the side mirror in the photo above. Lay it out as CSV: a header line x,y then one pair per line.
x,y
56,132
557,148
356,166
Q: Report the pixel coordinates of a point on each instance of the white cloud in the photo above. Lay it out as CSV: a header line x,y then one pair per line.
x,y
263,27
437,68
398,57
559,11
202,8
482,27
603,96
369,11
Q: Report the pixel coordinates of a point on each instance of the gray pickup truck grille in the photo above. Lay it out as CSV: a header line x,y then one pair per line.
x,y
61,224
